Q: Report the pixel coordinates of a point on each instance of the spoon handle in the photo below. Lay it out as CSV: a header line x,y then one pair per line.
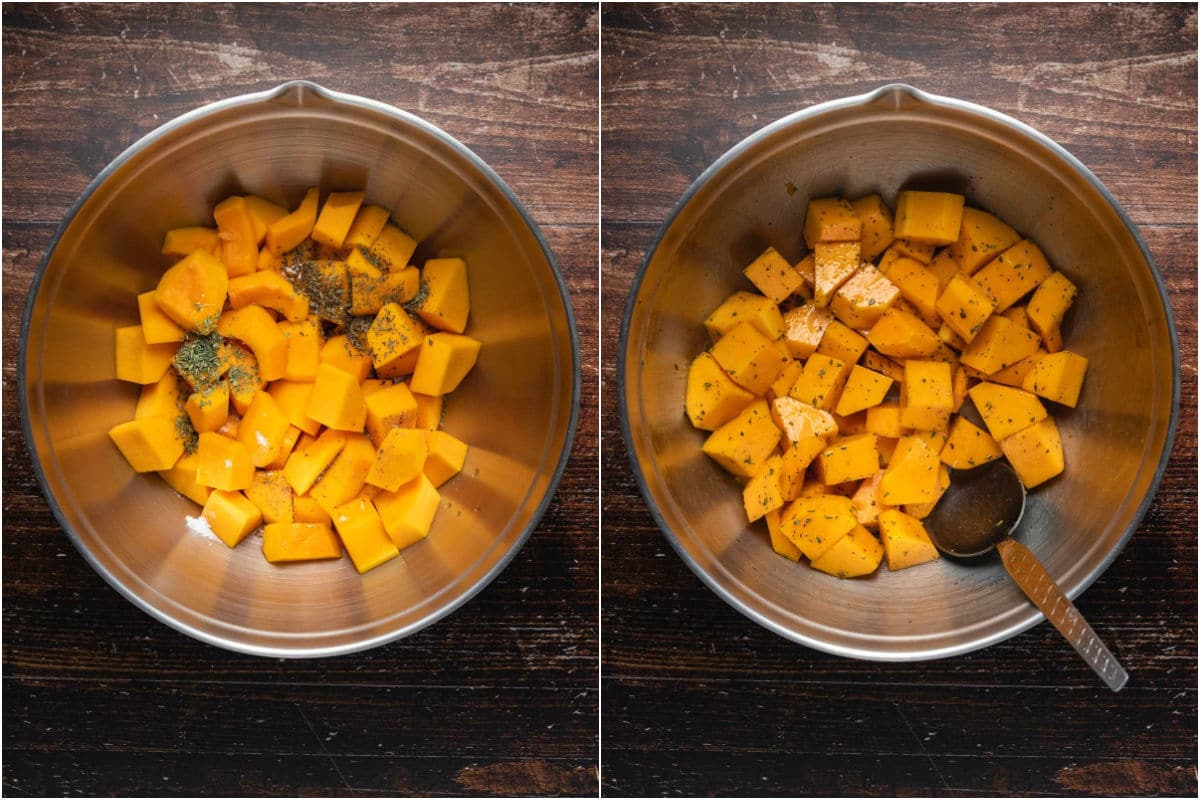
x,y
1031,576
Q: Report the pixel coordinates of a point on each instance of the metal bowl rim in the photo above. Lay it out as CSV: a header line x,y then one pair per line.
x,y
1032,616
475,161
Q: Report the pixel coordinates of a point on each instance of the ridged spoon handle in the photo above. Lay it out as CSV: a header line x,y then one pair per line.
x,y
1031,576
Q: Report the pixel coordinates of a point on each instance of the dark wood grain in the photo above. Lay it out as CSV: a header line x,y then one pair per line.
x,y
500,697
697,699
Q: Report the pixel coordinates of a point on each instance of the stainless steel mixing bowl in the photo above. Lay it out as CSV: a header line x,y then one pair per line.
x,y
517,409
1117,440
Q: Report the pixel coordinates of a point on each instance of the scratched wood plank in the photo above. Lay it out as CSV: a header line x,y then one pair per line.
x,y
1121,98
699,700
499,698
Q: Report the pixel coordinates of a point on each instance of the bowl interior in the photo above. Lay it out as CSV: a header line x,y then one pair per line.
x,y
515,410
1114,441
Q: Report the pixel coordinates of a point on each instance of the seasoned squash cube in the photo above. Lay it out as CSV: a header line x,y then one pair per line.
x,y
262,429
393,247
271,494
299,541
139,362
1000,343
912,473
192,292
899,334
927,398
877,225
905,540
857,553
1006,410
1036,453
392,335
360,263
1057,377
884,420
865,502
368,295
929,217
1015,375
863,298
336,217
391,406
287,232
981,238
446,457
944,268
368,223
429,411
336,400
1013,274
255,327
224,463
184,241
964,307
241,369
447,301
443,362
772,275
310,458
745,442
850,459
208,408
968,446
831,219
780,543
794,464
761,493
338,351
362,534
239,245
712,397
739,307
157,327
230,516
842,343
908,248
285,448
399,459
748,357
816,523
308,510
149,444
864,389
799,421
917,284
804,328
1046,309
923,510
786,379
346,476
834,263
162,399
182,478
821,382
270,290
408,513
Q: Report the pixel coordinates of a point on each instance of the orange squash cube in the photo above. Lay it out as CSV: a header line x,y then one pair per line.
x,y
447,300
239,245
272,495
429,411
804,328
308,510
445,459
184,241
1013,274
772,275
161,399
157,327
392,335
368,222
399,459
262,213
182,478
981,238
362,534
759,311
304,343
408,513
292,398
929,217
262,429
256,328
1058,377
877,225
230,516
999,343
1036,453
223,463
270,290
392,406
149,444
139,362
310,458
336,400
369,294
299,541
347,475
831,219
208,408
393,247
192,292
444,360
287,232
336,217
338,351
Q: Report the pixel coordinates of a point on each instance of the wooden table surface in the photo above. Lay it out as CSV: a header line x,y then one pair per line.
x,y
499,698
697,699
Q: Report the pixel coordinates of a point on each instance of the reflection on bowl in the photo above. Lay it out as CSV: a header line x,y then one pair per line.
x,y
755,195
517,408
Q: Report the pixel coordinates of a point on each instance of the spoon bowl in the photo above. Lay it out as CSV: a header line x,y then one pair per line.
x,y
978,513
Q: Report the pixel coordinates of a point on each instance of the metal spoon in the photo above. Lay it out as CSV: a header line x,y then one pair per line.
x,y
978,512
